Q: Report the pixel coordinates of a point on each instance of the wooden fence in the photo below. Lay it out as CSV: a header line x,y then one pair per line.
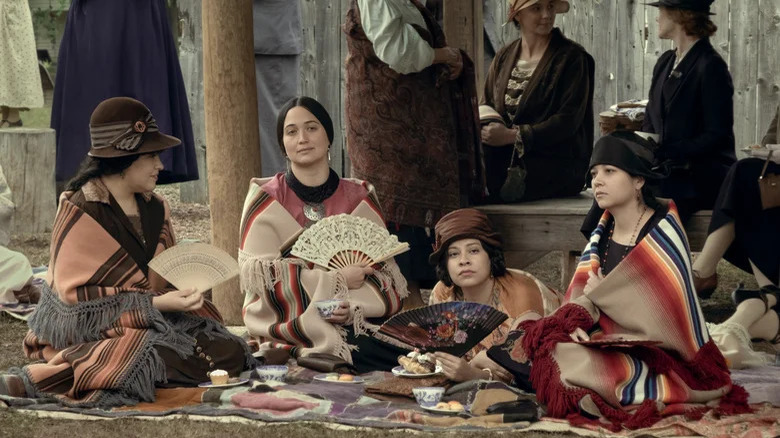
x,y
622,36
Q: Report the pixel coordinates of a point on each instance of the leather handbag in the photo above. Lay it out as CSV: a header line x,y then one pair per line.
x,y
326,363
769,187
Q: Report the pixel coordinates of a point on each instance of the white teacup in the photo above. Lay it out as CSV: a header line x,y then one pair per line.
x,y
272,372
327,307
428,396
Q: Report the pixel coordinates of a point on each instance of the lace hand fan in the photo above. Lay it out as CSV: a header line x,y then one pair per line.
x,y
342,240
454,327
195,265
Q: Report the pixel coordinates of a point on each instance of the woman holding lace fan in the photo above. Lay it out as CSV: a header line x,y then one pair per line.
x,y
279,289
107,329
469,262
629,345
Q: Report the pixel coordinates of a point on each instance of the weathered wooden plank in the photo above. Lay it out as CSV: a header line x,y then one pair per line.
x,y
191,60
463,28
654,48
345,162
630,50
604,40
768,64
721,19
322,65
743,48
27,157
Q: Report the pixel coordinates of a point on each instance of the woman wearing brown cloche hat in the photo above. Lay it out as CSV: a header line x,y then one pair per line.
x,y
108,329
469,260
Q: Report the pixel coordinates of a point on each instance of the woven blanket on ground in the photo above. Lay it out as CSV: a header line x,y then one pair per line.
x,y
305,399
648,296
95,326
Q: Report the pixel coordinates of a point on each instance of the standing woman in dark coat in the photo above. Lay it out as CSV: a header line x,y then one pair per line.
x,y
691,107
541,85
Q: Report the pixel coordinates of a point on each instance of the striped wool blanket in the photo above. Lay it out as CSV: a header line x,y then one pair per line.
x,y
649,296
95,326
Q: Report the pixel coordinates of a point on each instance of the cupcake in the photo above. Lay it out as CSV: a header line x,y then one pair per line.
x,y
218,377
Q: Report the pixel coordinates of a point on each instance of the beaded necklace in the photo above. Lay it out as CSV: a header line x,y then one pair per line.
x,y
631,243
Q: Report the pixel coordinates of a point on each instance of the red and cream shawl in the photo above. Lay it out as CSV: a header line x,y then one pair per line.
x,y
95,326
648,296
278,288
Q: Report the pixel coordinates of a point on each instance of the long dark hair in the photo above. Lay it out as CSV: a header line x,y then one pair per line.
x,y
93,167
310,104
497,265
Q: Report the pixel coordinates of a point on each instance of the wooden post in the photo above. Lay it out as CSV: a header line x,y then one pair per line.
x,y
463,27
27,157
232,132
191,60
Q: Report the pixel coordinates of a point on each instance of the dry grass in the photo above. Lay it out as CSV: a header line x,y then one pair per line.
x,y
191,221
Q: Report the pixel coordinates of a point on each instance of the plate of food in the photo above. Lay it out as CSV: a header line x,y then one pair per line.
x,y
448,408
416,365
338,378
233,381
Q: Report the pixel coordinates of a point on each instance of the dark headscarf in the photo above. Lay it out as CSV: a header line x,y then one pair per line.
x,y
627,151
310,104
466,223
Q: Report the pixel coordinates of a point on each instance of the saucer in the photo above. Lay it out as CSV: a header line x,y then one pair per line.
x,y
231,382
399,371
324,378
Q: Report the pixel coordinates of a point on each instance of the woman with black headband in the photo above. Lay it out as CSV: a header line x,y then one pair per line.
x,y
278,288
629,344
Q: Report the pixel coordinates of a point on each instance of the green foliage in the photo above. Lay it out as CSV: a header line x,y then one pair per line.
x,y
46,20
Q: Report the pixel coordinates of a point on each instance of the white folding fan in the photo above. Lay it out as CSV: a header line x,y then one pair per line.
x,y
195,265
343,240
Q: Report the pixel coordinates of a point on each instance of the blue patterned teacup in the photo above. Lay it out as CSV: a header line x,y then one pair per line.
x,y
272,372
428,396
327,307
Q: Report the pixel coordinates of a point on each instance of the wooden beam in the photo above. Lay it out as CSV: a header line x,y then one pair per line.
x,y
463,27
232,133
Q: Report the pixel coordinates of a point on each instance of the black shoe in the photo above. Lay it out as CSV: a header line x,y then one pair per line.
x,y
739,294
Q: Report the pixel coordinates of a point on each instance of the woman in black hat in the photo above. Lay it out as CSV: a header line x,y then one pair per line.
x,y
691,107
632,288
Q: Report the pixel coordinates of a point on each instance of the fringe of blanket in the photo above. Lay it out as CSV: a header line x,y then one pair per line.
x,y
62,325
258,275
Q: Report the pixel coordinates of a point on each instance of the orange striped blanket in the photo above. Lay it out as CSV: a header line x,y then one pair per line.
x,y
95,327
648,296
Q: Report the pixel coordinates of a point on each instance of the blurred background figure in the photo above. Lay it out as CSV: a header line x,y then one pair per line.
x,y
20,81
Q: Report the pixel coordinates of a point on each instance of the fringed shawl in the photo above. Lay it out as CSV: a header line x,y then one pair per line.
x,y
278,288
95,325
519,293
648,296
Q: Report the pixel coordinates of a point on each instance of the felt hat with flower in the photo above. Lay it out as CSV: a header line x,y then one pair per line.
x,y
122,126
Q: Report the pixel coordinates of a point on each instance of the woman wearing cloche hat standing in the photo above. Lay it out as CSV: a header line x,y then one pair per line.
x,y
108,329
541,85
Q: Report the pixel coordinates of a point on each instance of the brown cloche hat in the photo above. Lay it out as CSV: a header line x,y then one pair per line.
x,y
122,126
463,224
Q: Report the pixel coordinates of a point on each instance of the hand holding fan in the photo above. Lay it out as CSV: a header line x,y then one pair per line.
x,y
454,327
342,240
195,265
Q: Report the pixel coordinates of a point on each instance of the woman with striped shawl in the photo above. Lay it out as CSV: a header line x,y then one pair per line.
x,y
629,345
108,329
279,288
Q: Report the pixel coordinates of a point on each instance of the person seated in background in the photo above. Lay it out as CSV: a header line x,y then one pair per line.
x,y
691,107
541,85
280,289
107,329
632,298
469,262
15,270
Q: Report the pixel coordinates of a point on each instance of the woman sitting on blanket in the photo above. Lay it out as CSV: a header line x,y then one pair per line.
x,y
279,288
633,284
108,329
469,262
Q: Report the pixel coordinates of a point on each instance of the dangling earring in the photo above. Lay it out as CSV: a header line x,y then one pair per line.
x,y
328,154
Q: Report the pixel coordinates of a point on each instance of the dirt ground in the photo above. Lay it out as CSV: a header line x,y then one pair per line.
x,y
191,221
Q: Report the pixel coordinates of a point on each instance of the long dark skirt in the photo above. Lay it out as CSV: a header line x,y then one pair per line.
x,y
757,231
120,48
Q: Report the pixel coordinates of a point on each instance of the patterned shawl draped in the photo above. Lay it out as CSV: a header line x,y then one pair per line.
x,y
95,326
648,296
278,288
518,294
